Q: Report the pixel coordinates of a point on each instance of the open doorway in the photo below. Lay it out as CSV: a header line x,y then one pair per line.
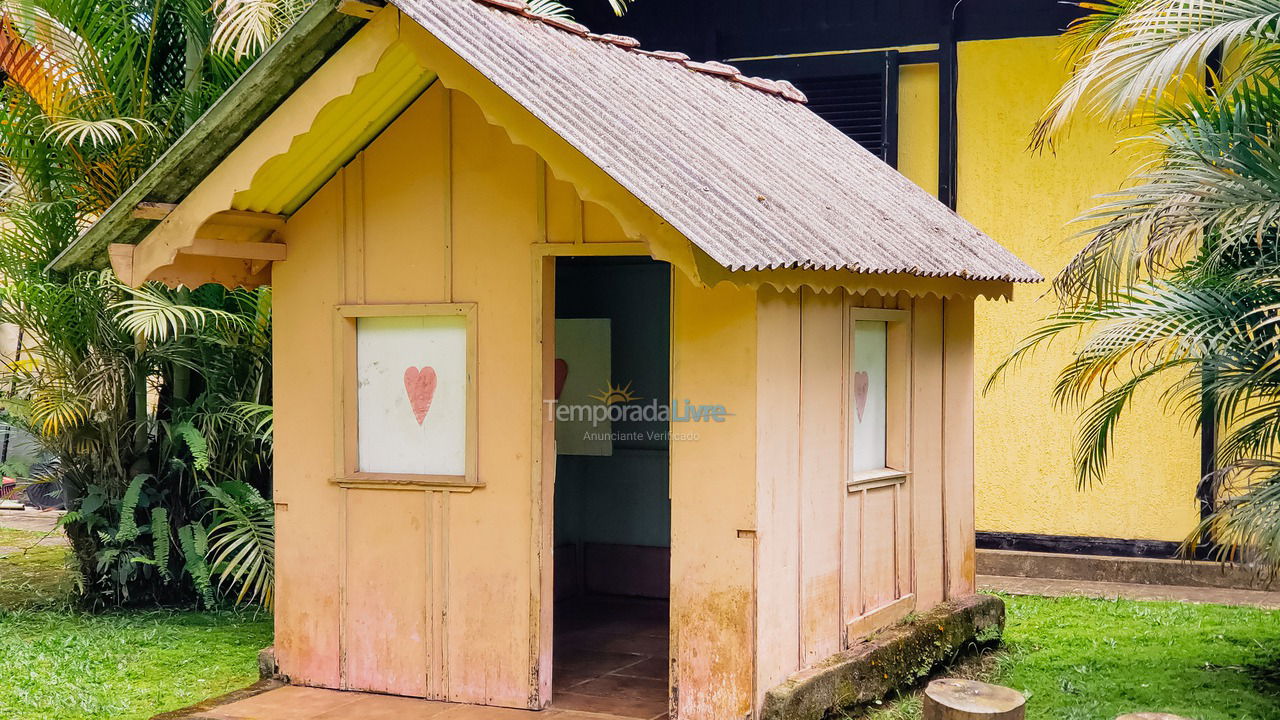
x,y
612,500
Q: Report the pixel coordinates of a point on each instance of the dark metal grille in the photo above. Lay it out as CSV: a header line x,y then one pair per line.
x,y
855,104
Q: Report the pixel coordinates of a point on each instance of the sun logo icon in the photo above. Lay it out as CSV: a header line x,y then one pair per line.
x,y
616,395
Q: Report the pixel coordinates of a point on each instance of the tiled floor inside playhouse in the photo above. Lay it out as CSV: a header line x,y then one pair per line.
x,y
611,656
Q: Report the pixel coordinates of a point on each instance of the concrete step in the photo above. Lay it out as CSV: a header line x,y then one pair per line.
x,y
1137,571
1129,591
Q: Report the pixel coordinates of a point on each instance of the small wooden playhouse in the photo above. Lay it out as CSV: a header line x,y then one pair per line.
x,y
580,349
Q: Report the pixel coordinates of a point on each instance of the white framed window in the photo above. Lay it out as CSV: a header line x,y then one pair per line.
x,y
879,405
407,378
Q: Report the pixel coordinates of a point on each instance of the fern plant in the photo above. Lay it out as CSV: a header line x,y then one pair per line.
x,y
242,543
194,542
110,405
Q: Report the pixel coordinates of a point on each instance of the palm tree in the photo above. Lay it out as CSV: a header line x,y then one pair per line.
x,y
142,396
1177,284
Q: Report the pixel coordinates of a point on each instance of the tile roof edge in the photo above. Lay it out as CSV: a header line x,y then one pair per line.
x,y
777,88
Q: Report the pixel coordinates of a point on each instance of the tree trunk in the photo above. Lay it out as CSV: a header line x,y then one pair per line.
x,y
951,699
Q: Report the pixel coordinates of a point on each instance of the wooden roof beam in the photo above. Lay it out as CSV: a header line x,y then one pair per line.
x,y
236,249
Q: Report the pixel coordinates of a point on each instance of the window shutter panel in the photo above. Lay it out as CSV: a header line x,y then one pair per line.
x,y
863,106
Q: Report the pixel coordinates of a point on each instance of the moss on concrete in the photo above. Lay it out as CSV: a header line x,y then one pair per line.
x,y
887,660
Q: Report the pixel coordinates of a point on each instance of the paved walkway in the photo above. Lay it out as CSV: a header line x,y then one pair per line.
x,y
301,703
1128,591
33,520
36,521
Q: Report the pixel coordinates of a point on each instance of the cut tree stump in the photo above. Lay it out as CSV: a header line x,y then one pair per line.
x,y
1151,716
951,699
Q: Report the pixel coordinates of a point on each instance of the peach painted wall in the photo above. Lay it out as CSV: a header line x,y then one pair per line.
x,y
436,592
411,591
836,564
713,345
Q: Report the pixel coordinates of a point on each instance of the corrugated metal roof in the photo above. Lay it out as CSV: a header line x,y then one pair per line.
x,y
738,165
754,179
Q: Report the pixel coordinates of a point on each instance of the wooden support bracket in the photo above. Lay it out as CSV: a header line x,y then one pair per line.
x,y
227,218
121,255
153,210
363,9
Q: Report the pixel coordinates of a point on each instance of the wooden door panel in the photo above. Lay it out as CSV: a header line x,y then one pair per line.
x,y
385,606
877,589
879,576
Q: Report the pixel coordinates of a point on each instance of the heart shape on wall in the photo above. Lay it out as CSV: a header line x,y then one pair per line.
x,y
420,386
562,374
861,383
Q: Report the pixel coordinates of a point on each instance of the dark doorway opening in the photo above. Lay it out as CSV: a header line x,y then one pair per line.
x,y
612,500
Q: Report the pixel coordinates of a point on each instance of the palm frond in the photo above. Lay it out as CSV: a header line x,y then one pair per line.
x,y
1150,51
247,27
151,315
550,8
1245,527
1216,180
242,542
108,131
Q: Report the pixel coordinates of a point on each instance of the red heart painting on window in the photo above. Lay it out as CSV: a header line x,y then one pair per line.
x,y
861,383
562,374
420,386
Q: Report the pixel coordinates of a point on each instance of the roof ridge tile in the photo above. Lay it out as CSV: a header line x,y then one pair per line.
x,y
576,28
712,67
764,85
515,6
791,92
715,68
672,55
622,41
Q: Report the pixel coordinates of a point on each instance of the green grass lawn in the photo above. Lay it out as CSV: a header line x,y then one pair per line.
x,y
1076,659
1082,659
58,664
33,575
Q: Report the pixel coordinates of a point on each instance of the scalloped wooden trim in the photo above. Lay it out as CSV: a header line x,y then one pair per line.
x,y
157,256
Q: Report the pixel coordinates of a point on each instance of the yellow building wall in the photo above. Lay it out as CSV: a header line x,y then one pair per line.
x,y
918,124
1024,475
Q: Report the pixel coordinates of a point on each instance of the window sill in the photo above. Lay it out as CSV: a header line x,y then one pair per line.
x,y
871,479
381,481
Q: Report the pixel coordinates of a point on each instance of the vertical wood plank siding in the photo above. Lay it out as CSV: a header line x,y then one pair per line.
x,y
867,556
439,594
778,438
713,502
822,497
